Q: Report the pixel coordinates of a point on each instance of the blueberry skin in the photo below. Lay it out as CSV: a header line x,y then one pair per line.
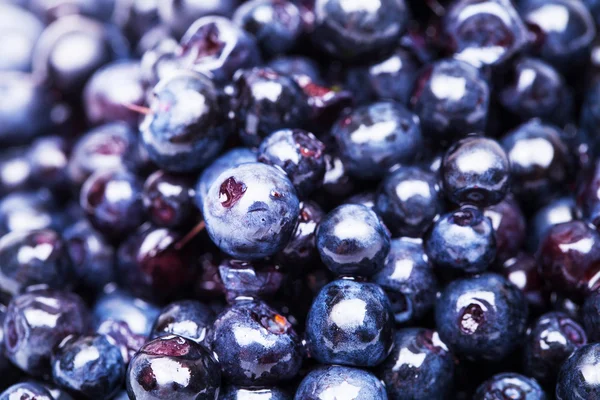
x,y
99,377
346,31
179,15
119,334
296,66
251,211
510,385
539,161
229,159
509,226
550,341
299,154
481,318
169,199
462,240
591,316
573,380
150,373
215,47
350,323
239,393
522,271
36,322
93,258
476,171
49,157
267,101
186,128
112,201
278,32
119,305
188,318
20,31
587,198
484,32
430,378
374,138
250,280
451,99
340,382
556,212
26,390
30,258
409,280
570,270
533,88
29,210
408,200
566,46
352,241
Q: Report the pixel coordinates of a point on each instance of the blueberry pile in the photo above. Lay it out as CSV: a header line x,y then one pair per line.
x,y
300,199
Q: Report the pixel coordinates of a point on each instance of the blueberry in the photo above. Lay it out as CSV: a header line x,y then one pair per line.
x,y
408,200
275,24
374,138
16,170
591,316
169,199
93,258
186,127
48,158
229,159
522,271
188,318
552,338
430,378
151,376
350,323
239,393
337,183
296,66
574,379
89,366
509,226
25,391
341,382
160,60
348,30
110,90
588,197
255,345
556,212
119,334
484,32
566,46
326,104
569,259
590,116
20,31
476,171
267,101
510,385
481,318
409,280
242,279
451,99
251,211
36,322
216,47
30,210
178,14
462,240
119,305
112,201
366,199
299,153
352,241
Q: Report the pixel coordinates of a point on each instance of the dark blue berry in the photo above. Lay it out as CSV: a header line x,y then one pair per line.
x,y
169,199
510,386
577,379
339,382
243,280
240,393
26,391
188,318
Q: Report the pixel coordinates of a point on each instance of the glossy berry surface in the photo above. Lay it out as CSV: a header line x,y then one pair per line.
x,y
347,31
119,334
178,15
26,390
408,200
430,378
267,101
350,323
481,318
118,305
352,241
255,345
572,381
36,322
462,240
409,280
301,156
340,382
169,199
184,130
451,99
374,138
550,341
591,316
588,199
99,376
510,385
260,202
20,31
240,393
556,212
188,318
243,280
522,271
476,171
510,227
150,373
